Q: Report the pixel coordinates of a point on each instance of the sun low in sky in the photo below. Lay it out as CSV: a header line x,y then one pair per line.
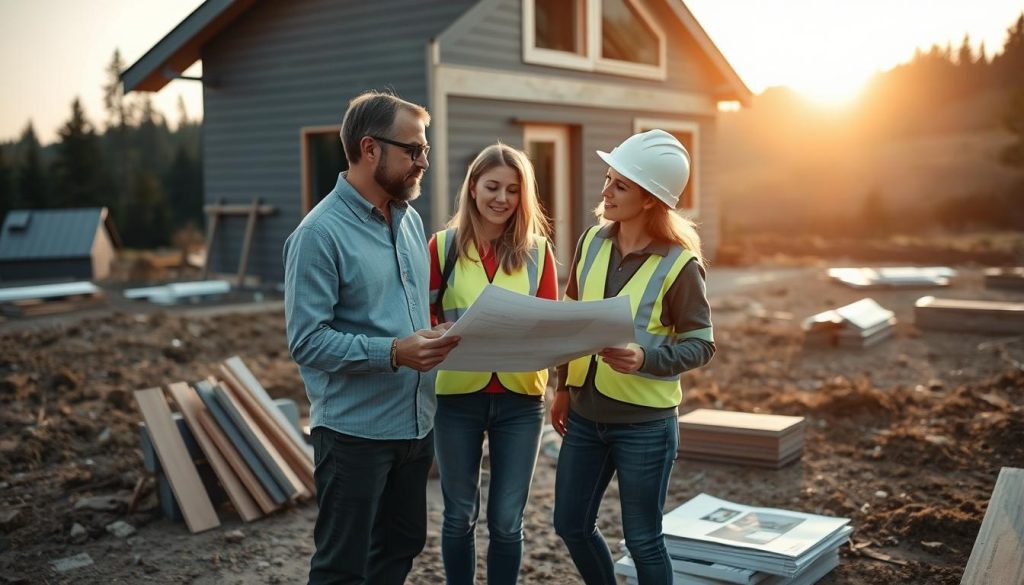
x,y
825,49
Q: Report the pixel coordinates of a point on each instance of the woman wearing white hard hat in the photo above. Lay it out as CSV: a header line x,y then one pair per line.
x,y
617,409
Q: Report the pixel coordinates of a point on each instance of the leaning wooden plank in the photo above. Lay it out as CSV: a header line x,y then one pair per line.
x,y
283,472
181,472
246,377
295,457
190,405
227,424
274,471
969,315
245,474
998,554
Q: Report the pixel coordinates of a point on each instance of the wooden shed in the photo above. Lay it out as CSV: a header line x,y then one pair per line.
x,y
557,78
57,244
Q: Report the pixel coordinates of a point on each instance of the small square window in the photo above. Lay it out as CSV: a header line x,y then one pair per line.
x,y
624,34
560,25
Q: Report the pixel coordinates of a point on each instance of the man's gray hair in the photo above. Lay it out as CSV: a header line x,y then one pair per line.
x,y
372,113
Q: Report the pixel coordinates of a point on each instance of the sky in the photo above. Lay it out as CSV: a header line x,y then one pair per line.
x,y
54,50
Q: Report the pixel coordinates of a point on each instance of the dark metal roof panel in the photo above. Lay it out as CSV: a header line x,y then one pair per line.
x,y
51,233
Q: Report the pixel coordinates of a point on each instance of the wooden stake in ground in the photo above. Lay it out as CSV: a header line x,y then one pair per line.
x,y
190,405
181,471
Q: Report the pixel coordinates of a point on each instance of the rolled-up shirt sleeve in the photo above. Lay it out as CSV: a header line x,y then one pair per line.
x,y
687,311
311,285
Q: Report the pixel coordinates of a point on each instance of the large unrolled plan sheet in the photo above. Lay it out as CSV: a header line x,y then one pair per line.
x,y
505,331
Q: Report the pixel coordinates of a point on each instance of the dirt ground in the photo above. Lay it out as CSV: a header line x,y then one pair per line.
x,y
905,438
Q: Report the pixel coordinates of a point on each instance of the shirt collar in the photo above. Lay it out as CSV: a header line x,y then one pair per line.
x,y
362,208
610,230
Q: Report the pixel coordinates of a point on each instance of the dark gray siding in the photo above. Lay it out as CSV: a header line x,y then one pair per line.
x,y
475,123
286,65
495,40
52,270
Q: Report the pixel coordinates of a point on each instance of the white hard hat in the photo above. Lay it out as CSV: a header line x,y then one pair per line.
x,y
656,161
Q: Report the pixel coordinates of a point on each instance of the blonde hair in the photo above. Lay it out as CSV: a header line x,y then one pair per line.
x,y
665,225
527,223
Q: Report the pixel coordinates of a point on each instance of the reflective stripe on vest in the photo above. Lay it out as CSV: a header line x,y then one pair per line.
x,y
646,290
465,284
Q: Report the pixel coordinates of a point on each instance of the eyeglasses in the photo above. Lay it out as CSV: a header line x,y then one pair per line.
x,y
414,150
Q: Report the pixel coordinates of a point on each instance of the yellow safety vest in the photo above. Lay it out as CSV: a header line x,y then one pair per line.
x,y
466,282
646,291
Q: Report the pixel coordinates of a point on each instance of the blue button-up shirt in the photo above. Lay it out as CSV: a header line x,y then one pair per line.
x,y
352,285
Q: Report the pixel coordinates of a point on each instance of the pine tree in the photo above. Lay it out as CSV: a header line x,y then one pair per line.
x,y
33,189
119,118
8,200
80,171
184,182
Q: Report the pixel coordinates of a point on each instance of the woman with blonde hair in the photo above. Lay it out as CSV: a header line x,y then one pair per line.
x,y
617,409
498,236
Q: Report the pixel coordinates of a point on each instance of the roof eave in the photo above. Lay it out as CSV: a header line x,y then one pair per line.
x,y
181,47
736,89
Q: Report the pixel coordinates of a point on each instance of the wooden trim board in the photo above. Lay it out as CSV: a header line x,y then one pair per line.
x,y
283,473
227,424
998,553
246,377
190,405
293,455
181,472
245,475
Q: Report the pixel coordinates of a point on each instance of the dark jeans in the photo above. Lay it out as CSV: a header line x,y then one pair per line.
x,y
372,496
512,424
642,455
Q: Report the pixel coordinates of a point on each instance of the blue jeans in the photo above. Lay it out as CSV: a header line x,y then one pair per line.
x,y
372,496
642,455
512,423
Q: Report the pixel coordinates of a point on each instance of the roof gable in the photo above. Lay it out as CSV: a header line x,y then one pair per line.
x,y
37,234
181,47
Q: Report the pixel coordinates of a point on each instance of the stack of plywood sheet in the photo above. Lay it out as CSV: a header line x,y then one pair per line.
x,y
1006,278
48,299
259,458
763,440
893,277
969,315
860,324
180,292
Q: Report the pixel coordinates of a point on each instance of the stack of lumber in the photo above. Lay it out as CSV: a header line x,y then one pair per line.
x,y
49,299
969,315
857,325
259,458
998,553
1007,278
743,438
180,292
893,277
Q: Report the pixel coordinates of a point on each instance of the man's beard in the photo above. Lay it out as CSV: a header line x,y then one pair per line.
x,y
395,184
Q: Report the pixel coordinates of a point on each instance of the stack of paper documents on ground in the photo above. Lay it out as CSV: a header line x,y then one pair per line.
x,y
893,277
504,331
1007,278
745,438
859,325
717,574
764,545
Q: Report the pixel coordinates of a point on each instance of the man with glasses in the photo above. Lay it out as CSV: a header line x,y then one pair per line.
x,y
357,313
